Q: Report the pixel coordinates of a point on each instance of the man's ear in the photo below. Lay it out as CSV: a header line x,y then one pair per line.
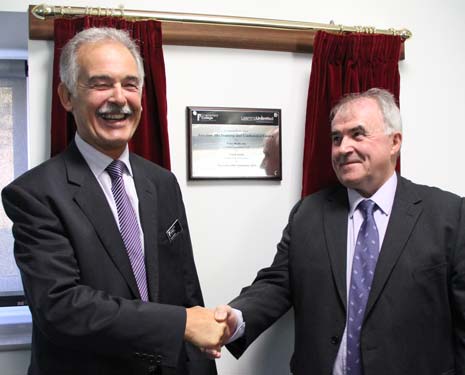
x,y
65,97
396,143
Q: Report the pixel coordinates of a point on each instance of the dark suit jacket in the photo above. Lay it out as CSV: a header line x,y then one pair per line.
x,y
87,316
415,316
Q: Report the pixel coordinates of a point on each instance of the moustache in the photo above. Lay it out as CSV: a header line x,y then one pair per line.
x,y
114,109
345,159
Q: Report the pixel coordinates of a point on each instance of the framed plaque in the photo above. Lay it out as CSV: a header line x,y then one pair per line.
x,y
234,143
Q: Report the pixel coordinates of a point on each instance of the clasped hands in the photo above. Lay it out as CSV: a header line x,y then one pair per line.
x,y
210,329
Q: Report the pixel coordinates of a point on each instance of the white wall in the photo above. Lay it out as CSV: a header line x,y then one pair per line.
x,y
235,225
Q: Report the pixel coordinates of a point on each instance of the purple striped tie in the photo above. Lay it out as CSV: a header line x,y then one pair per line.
x,y
363,269
129,226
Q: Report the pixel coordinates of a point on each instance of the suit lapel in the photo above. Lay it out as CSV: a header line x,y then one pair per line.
x,y
335,214
92,201
148,204
406,210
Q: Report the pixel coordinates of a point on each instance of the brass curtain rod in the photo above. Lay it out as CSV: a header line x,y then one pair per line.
x,y
44,11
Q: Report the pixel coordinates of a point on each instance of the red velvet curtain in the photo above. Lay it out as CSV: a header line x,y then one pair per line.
x,y
151,138
342,64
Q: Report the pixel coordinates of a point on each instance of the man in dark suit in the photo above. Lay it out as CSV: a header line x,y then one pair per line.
x,y
374,268
105,256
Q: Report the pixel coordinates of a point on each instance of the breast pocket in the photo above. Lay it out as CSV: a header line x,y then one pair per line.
x,y
430,273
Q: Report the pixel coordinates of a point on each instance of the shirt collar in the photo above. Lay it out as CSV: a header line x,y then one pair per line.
x,y
97,160
384,196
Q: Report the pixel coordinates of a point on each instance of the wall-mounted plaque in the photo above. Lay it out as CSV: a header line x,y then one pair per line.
x,y
234,143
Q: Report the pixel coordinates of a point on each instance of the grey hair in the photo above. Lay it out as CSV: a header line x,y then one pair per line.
x,y
386,103
69,67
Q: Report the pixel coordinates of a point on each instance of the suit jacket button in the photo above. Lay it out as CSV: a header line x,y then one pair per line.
x,y
334,340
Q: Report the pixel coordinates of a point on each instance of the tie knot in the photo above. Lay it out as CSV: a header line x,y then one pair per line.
x,y
367,207
115,169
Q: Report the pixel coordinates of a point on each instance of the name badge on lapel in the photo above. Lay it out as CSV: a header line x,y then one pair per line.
x,y
174,230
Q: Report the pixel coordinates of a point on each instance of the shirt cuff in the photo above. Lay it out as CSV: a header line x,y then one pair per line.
x,y
240,327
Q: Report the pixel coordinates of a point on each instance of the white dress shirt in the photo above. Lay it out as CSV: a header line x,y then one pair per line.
x,y
97,162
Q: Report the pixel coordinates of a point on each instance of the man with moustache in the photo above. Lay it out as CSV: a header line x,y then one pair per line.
x,y
374,267
101,236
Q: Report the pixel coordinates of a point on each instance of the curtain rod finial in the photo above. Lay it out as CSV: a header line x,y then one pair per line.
x,y
405,34
41,11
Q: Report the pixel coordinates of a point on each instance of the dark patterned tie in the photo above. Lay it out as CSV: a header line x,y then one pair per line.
x,y
363,269
129,226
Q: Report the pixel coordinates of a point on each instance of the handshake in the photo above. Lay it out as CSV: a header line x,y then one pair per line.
x,y
210,329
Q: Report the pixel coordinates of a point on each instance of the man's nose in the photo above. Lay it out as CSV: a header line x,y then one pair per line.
x,y
117,95
346,145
